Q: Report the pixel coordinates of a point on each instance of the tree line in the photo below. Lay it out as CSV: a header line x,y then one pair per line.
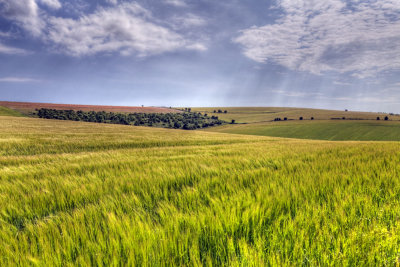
x,y
185,120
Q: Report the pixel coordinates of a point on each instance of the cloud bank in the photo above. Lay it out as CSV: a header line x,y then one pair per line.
x,y
4,49
357,37
18,80
179,3
24,13
126,28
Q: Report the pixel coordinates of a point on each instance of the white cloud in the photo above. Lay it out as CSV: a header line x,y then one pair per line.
x,y
76,8
54,4
5,34
188,21
179,3
18,80
361,38
113,2
197,46
341,83
25,13
127,28
12,50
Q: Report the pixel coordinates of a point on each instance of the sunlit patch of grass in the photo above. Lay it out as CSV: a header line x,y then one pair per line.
x,y
341,130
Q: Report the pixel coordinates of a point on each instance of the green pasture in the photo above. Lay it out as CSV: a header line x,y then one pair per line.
x,y
9,112
338,130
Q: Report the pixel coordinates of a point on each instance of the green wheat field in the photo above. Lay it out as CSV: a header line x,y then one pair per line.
x,y
81,194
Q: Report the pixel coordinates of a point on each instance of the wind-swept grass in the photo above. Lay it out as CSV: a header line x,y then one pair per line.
x,y
339,130
75,193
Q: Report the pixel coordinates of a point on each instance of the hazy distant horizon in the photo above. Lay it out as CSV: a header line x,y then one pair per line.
x,y
180,107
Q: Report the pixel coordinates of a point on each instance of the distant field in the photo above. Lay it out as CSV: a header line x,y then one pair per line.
x,y
321,130
263,114
27,107
361,126
87,194
9,112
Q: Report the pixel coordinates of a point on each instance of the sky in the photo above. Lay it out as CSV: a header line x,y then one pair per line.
x,y
330,54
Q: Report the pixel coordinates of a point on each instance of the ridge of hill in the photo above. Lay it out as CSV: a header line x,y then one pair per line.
x,y
29,107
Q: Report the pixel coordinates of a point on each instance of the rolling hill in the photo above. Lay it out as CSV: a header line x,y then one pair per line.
x,y
266,114
29,107
326,124
362,130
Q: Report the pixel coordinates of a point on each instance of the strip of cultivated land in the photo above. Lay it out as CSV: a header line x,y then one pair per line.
x,y
320,130
76,193
324,125
316,124
267,114
29,107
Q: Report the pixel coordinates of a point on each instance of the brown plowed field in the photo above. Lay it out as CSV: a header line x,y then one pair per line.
x,y
29,107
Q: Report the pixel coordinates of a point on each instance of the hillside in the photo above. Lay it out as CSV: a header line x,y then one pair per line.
x,y
28,107
326,124
78,193
364,130
265,114
9,112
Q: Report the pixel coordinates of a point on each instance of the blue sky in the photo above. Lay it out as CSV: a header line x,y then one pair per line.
x,y
324,54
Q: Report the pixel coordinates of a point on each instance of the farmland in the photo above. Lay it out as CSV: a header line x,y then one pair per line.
x,y
29,107
325,125
147,154
9,112
78,193
266,114
364,130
